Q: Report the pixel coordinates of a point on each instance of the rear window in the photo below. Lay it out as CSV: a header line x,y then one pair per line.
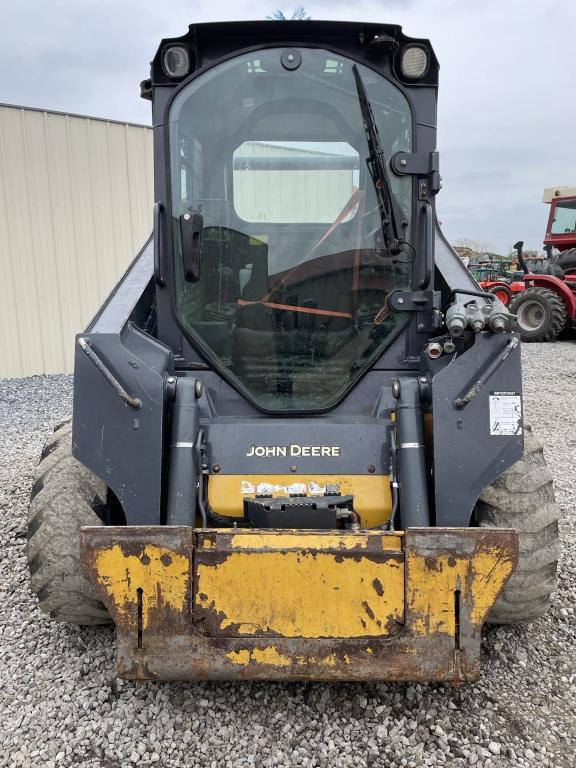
x,y
295,182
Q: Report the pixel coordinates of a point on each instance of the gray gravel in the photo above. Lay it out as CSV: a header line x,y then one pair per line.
x,y
60,704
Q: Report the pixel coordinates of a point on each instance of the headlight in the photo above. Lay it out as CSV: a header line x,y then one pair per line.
x,y
176,61
414,61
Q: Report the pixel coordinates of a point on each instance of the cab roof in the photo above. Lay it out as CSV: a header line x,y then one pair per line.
x,y
212,41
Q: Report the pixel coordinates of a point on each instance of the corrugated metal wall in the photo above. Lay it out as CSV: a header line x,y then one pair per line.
x,y
76,199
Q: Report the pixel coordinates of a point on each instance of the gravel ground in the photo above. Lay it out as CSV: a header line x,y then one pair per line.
x,y
60,704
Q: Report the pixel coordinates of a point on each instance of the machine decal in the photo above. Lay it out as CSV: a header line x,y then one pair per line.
x,y
505,413
293,450
312,488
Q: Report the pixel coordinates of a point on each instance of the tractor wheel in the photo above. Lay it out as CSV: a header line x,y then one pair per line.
x,y
502,292
541,314
567,260
523,498
65,496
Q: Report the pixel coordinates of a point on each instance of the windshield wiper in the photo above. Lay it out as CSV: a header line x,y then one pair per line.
x,y
378,170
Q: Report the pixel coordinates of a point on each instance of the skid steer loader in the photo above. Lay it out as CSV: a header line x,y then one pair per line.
x,y
297,448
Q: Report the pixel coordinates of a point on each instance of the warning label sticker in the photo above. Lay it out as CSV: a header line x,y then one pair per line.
x,y
505,413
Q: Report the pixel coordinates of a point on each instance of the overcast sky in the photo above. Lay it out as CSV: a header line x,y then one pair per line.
x,y
507,112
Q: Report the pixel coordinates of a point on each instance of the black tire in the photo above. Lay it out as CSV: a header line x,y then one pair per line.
x,y
502,291
567,260
523,498
65,496
541,314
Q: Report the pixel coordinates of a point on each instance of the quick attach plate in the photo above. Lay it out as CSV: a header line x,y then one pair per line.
x,y
229,604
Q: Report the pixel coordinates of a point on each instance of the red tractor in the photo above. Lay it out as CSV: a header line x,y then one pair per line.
x,y
547,305
491,281
492,278
561,228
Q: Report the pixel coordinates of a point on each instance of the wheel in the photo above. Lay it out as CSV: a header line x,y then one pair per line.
x,y
65,496
501,291
567,260
541,314
523,498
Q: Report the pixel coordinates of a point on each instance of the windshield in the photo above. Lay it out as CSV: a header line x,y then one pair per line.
x,y
289,294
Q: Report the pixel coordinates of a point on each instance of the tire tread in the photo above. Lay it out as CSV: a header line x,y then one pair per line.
x,y
64,497
558,316
531,509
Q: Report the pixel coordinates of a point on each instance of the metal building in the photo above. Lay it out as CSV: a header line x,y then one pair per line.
x,y
76,199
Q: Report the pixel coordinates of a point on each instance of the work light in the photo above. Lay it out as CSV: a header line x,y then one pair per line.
x,y
176,61
414,61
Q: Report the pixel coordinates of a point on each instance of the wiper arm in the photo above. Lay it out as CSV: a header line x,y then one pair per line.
x,y
378,170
